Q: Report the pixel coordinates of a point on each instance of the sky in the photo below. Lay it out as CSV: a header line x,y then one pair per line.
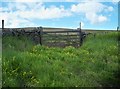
x,y
93,14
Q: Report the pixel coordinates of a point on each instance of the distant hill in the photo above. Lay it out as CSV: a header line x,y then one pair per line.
x,y
64,29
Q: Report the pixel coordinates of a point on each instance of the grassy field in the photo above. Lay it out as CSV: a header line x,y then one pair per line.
x,y
94,64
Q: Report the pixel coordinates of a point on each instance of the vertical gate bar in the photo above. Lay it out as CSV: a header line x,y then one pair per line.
x,y
40,35
2,24
80,34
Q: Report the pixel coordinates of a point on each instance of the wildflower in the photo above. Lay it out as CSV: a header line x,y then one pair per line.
x,y
37,81
39,54
32,77
87,52
14,58
24,73
30,53
76,86
67,53
15,70
115,47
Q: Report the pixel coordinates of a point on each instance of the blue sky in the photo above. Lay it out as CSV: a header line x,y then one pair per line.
x,y
92,14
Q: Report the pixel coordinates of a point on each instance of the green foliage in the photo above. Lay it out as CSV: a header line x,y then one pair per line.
x,y
93,64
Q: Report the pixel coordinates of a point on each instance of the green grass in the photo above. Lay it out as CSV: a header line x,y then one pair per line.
x,y
94,64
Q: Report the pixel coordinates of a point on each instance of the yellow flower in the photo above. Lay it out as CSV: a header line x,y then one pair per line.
x,y
67,53
14,58
37,81
30,53
24,73
32,77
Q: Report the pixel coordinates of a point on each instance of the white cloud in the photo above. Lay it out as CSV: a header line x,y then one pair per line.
x,y
100,0
18,13
13,20
115,1
41,12
27,0
88,7
110,8
95,19
59,0
92,11
69,0
102,18
30,11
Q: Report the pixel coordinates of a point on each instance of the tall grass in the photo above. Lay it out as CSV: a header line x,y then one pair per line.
x,y
95,64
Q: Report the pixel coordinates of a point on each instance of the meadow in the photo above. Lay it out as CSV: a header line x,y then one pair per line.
x,y
94,64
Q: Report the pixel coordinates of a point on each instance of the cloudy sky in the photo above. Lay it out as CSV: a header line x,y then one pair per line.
x,y
65,14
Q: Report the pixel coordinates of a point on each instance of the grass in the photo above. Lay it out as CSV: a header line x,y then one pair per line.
x,y
95,64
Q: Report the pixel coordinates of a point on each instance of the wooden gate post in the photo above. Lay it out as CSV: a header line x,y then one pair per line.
x,y
80,35
2,24
40,34
80,26
118,28
68,43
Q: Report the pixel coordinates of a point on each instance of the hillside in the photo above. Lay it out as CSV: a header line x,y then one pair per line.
x,y
64,29
94,64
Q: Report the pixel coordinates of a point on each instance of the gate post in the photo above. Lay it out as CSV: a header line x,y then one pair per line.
x,y
2,24
80,35
40,34
118,28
